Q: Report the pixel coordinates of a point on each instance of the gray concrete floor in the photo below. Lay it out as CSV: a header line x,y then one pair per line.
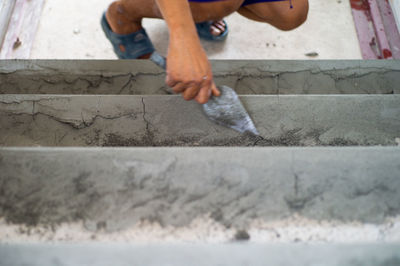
x,y
71,30
199,255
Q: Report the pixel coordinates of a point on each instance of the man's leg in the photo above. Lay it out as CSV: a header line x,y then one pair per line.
x,y
125,16
277,13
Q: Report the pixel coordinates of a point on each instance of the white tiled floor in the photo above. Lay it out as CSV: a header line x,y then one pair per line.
x,y
71,30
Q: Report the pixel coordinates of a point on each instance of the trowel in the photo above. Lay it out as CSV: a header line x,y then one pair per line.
x,y
225,110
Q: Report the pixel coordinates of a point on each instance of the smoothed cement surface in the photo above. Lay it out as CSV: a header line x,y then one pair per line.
x,y
246,77
113,189
308,120
189,254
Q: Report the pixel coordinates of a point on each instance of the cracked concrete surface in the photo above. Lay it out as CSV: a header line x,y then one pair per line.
x,y
246,77
50,120
113,189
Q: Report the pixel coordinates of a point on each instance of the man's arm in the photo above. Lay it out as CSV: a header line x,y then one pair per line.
x,y
188,69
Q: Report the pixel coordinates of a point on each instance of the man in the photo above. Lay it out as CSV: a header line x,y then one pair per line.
x,y
188,69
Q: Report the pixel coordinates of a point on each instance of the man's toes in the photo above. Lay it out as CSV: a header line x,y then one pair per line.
x,y
217,28
215,31
221,24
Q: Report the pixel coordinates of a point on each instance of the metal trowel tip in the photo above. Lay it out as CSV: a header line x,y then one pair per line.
x,y
247,126
253,131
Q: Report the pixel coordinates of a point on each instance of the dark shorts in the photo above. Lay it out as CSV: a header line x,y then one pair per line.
x,y
245,3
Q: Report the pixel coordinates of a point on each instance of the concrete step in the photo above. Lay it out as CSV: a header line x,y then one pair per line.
x,y
291,120
245,76
145,204
192,206
114,189
199,255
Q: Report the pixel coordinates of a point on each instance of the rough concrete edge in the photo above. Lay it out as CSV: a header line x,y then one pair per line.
x,y
17,98
293,229
177,149
146,66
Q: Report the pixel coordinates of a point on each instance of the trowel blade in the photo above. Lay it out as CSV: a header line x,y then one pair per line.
x,y
228,111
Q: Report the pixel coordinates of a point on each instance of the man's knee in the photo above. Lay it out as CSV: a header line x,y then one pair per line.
x,y
230,7
280,15
293,19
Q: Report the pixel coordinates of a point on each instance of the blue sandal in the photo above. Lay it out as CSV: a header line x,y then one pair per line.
x,y
203,29
130,46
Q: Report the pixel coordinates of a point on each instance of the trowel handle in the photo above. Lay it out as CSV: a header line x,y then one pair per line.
x,y
159,60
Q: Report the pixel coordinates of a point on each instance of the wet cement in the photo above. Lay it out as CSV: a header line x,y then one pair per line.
x,y
291,138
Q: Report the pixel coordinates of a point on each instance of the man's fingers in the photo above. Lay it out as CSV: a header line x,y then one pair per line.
x,y
215,90
190,93
200,90
170,82
179,87
204,95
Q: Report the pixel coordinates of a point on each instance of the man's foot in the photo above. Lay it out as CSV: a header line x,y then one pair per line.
x,y
212,30
128,37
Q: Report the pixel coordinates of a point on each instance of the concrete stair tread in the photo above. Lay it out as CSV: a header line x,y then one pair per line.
x,y
120,120
118,187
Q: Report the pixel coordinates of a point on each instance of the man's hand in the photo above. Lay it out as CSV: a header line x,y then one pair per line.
x,y
188,69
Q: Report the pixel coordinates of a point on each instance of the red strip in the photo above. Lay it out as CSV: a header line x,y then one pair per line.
x,y
376,29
